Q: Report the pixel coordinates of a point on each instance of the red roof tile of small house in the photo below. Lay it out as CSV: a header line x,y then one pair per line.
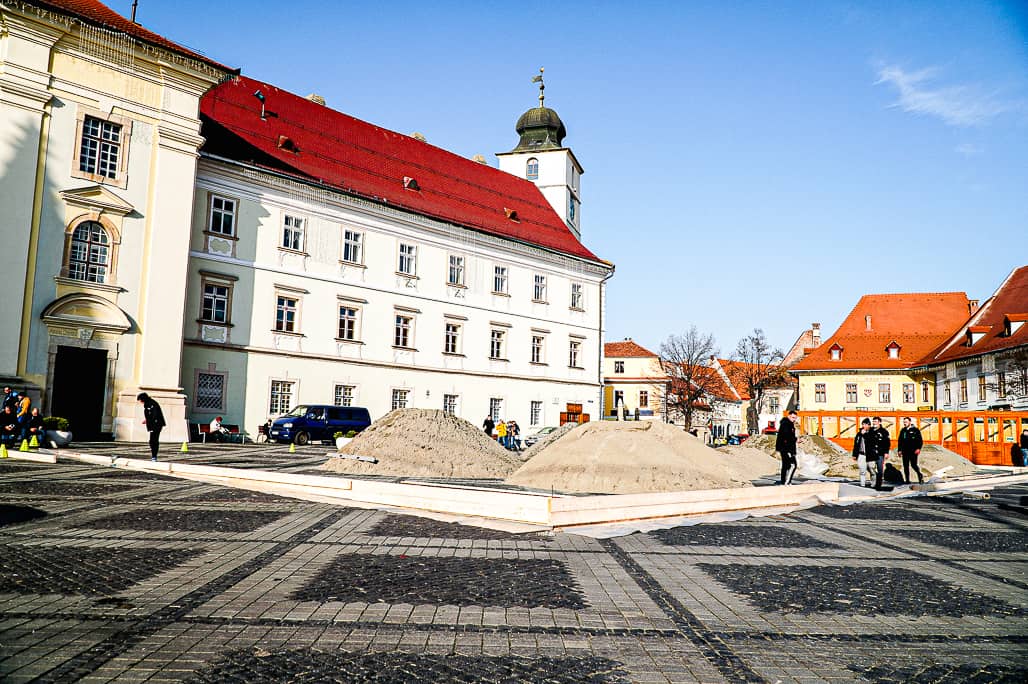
x,y
361,159
1008,303
99,14
626,349
918,322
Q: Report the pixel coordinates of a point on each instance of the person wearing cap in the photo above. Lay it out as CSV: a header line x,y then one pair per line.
x,y
218,431
861,448
785,445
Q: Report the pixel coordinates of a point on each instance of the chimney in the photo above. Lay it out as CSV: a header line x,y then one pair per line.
x,y
480,159
815,334
867,322
972,306
317,99
418,136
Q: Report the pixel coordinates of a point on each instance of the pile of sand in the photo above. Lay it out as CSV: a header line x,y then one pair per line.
x,y
425,443
635,457
530,453
841,463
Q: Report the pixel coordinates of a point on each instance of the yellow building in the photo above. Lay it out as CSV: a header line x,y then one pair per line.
x,y
875,360
633,380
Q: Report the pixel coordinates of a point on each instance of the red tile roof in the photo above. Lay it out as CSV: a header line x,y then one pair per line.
x,y
715,385
919,322
99,14
626,349
1010,301
356,157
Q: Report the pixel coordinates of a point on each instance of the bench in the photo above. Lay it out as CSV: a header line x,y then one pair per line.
x,y
204,429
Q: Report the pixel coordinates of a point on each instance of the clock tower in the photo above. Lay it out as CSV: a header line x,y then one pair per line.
x,y
541,157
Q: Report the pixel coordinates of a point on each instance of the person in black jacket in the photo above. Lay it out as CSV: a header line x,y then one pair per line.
x,y
1024,447
33,426
862,448
785,445
153,417
9,430
909,446
880,445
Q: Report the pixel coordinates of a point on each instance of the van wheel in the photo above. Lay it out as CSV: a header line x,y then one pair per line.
x,y
301,438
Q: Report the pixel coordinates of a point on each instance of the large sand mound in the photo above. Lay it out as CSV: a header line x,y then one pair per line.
x,y
841,464
425,443
636,457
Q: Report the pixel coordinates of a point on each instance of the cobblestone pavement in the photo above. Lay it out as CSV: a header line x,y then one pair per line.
x,y
111,575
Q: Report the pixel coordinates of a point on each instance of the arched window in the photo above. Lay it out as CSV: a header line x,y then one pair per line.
x,y
89,257
532,169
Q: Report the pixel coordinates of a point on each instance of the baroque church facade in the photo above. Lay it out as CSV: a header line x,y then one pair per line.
x,y
234,249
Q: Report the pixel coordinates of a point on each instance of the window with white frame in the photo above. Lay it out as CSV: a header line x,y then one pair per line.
x,y
539,292
1001,385
348,315
344,395
538,349
352,246
286,308
497,342
500,279
451,338
576,296
210,392
535,413
89,255
450,404
100,148
851,393
532,169
884,393
293,232
925,391
820,393
400,398
949,393
222,219
403,328
456,272
773,405
495,408
644,399
574,354
982,392
281,397
908,393
215,306
619,366
963,390
408,261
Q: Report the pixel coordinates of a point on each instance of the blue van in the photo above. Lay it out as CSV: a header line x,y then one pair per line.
x,y
318,422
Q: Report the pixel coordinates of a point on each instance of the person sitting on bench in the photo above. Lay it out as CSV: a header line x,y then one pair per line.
x,y
218,431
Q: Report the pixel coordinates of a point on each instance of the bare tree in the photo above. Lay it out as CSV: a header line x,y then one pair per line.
x,y
685,360
1013,365
759,369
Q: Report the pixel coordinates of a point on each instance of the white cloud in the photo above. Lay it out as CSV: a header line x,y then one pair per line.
x,y
957,105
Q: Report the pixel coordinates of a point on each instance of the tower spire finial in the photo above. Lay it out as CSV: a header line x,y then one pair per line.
x,y
542,86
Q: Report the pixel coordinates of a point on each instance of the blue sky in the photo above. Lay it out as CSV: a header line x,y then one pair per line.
x,y
746,164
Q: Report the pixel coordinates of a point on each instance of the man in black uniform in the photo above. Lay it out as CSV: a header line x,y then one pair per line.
x,y
909,445
880,443
785,445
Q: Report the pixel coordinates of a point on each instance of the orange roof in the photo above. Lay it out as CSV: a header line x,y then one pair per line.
x,y
918,322
1008,303
716,386
626,349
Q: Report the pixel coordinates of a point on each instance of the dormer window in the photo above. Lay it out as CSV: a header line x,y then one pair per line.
x,y
1013,322
512,214
410,183
835,352
975,333
532,169
286,143
893,350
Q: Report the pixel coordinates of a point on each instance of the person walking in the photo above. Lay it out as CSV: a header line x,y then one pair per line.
x,y
153,418
909,446
514,435
501,434
785,445
1024,447
861,448
880,445
488,426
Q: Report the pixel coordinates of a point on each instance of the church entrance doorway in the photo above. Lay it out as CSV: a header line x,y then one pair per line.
x,y
79,387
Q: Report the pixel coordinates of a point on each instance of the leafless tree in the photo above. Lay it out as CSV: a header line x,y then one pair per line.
x,y
758,370
685,360
1013,365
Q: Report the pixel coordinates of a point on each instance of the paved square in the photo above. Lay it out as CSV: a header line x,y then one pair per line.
x,y
119,575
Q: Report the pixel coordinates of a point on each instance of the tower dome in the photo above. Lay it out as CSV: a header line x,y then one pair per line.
x,y
540,128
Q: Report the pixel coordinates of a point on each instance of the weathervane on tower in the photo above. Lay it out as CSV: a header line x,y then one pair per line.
x,y
542,86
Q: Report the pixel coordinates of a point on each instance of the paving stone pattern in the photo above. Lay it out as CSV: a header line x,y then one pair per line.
x,y
528,583
186,520
764,536
81,571
310,665
865,590
310,592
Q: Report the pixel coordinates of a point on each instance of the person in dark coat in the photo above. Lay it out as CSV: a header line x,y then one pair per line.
x,y
909,446
1024,447
862,448
33,426
488,425
880,445
9,429
785,445
10,399
153,418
